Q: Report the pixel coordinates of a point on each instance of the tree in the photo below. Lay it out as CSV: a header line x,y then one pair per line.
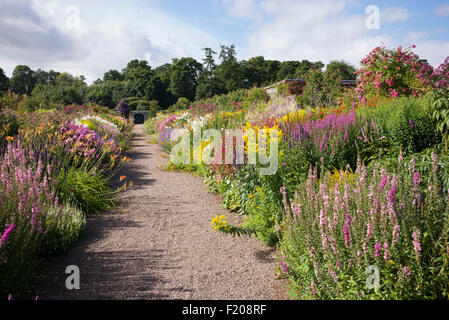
x,y
271,68
4,81
141,81
342,69
297,69
184,77
51,95
208,87
227,54
44,77
22,80
230,72
67,80
305,66
165,97
100,94
112,75
254,71
209,61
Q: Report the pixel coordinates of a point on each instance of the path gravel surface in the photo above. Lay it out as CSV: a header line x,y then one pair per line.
x,y
158,244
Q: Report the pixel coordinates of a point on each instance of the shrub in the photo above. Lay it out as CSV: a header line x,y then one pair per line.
x,y
321,90
64,225
386,220
407,122
440,109
181,104
257,95
393,73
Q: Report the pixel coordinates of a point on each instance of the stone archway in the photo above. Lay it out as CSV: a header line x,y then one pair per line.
x,y
139,118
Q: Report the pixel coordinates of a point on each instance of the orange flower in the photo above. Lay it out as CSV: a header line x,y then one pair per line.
x,y
10,138
122,178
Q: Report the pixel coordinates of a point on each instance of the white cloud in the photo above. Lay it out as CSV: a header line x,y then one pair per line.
x,y
313,30
394,14
242,9
44,34
434,51
329,30
442,10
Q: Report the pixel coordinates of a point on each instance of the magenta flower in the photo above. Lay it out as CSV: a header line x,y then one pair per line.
x,y
416,178
383,182
406,272
386,252
347,232
7,233
416,243
369,230
377,249
396,230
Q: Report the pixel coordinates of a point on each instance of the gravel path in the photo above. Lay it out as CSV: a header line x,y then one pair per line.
x,y
158,244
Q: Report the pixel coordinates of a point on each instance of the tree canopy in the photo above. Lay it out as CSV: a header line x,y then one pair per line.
x,y
185,77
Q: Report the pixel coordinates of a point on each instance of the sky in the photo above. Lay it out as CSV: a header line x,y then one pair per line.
x,y
90,37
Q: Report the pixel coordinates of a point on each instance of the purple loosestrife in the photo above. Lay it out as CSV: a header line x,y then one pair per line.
x,y
377,249
416,243
416,178
396,232
386,251
7,233
406,272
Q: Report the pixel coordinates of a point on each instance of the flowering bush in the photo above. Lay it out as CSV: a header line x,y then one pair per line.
x,y
394,73
380,220
123,109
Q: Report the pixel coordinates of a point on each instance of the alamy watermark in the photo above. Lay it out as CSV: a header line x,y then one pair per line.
x,y
72,17
261,147
372,21
73,280
372,277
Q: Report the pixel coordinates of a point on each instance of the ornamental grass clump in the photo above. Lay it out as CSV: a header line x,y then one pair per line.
x,y
339,234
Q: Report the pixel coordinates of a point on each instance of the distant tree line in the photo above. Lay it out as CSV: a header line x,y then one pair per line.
x,y
164,85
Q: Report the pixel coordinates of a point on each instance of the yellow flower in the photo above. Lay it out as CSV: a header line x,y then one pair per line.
x,y
220,223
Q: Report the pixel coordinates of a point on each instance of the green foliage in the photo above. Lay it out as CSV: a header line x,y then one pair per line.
x,y
65,225
321,90
181,104
22,80
257,94
439,101
297,69
407,122
85,190
51,96
29,104
4,81
140,80
184,77
9,124
341,70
